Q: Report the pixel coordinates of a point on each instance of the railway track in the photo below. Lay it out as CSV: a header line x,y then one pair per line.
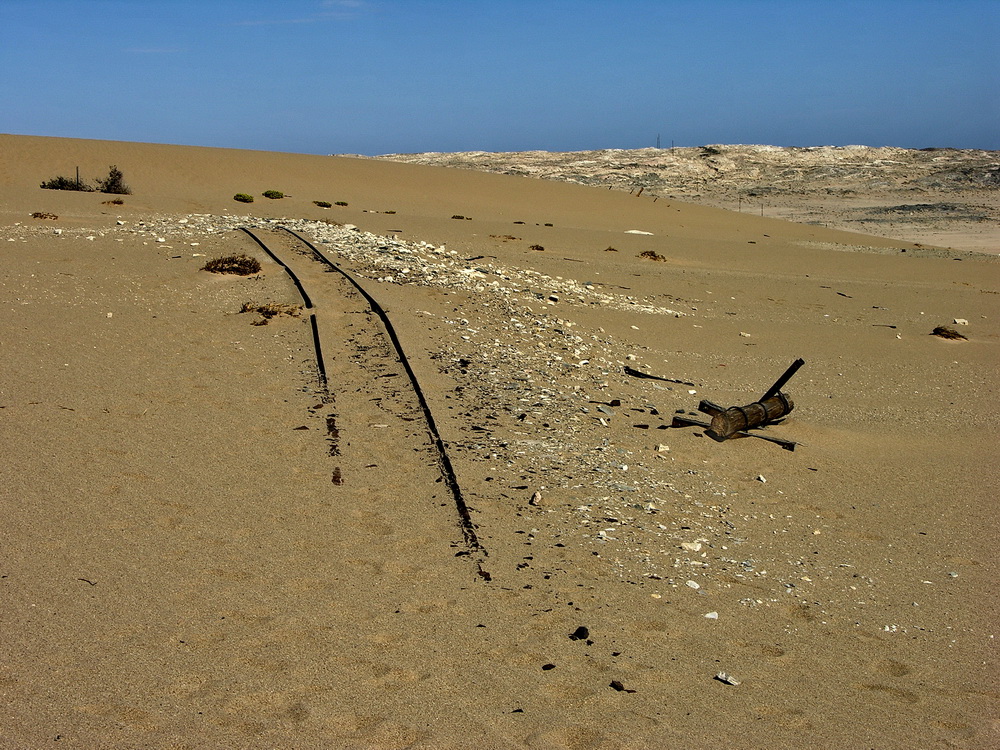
x,y
345,319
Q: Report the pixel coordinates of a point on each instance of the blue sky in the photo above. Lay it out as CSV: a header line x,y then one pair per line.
x,y
382,76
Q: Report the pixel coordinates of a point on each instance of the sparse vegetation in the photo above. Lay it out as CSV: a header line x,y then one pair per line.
x,y
67,183
504,237
650,255
243,198
241,265
548,224
610,249
114,183
340,203
537,248
270,310
43,215
323,204
273,194
457,216
113,202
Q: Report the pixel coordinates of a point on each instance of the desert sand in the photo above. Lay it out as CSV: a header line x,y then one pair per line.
x,y
204,548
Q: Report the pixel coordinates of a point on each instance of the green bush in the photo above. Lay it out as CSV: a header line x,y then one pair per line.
x,y
273,194
66,183
243,198
114,183
323,204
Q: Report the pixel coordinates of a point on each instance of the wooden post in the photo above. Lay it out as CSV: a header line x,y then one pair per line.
x,y
727,423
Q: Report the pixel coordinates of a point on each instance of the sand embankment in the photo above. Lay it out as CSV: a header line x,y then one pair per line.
x,y
179,570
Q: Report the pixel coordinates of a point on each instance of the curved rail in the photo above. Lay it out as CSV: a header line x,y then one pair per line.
x,y
443,460
320,364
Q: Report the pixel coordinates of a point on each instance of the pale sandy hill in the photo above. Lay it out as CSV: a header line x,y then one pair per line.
x,y
181,570
940,196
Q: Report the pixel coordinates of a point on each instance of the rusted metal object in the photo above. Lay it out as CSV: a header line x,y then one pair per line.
x,y
728,422
739,420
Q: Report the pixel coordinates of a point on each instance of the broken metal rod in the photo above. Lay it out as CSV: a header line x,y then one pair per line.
x,y
788,445
774,389
638,374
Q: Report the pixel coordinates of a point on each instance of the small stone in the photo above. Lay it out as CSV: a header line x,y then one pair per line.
x,y
161,239
536,499
726,678
661,448
693,584
961,321
744,334
761,479
691,546
712,616
582,633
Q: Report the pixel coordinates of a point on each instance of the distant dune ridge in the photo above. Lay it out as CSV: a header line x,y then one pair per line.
x,y
937,195
205,547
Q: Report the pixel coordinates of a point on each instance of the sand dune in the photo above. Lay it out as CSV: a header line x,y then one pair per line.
x,y
181,570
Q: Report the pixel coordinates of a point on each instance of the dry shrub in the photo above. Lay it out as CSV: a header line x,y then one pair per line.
x,y
271,310
650,255
611,249
113,202
948,333
43,215
241,265
537,248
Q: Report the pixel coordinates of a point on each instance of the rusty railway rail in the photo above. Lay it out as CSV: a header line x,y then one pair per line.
x,y
441,453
